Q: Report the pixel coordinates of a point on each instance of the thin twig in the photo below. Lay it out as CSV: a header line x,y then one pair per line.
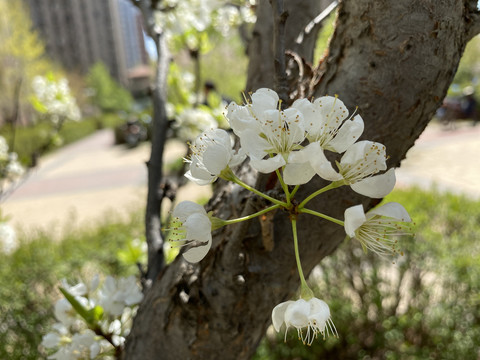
x,y
316,22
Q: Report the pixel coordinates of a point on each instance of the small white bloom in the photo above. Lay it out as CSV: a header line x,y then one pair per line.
x,y
379,229
211,154
358,167
64,312
192,226
326,123
313,314
115,295
190,122
266,131
8,238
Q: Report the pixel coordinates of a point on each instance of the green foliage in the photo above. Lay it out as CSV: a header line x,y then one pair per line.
x,y
423,307
108,95
31,138
29,278
324,37
22,56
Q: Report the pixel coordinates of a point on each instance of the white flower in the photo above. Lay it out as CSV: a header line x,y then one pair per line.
x,y
192,226
264,130
211,154
314,315
357,168
64,312
115,295
326,123
192,121
8,238
379,229
82,346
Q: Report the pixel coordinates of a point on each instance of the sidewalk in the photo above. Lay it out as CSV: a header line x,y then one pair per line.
x,y
445,158
80,183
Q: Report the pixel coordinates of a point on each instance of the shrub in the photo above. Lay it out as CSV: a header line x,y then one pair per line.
x,y
29,278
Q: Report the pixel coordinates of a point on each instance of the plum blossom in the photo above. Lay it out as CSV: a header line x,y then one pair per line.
x,y
326,123
192,226
212,153
265,130
379,229
82,346
313,314
115,294
358,168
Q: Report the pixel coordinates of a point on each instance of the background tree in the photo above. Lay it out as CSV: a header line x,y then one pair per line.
x,y
22,56
106,93
396,69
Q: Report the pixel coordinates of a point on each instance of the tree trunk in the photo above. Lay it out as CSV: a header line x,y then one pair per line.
x,y
394,59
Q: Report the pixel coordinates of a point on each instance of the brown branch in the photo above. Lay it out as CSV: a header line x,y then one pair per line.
x,y
280,77
155,193
475,26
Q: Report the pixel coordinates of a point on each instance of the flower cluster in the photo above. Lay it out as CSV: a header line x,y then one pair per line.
x,y
10,167
54,99
297,143
91,320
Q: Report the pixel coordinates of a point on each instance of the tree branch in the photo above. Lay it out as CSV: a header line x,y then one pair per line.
x,y
155,193
317,21
280,79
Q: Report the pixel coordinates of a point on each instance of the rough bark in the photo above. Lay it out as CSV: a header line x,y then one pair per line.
x,y
392,58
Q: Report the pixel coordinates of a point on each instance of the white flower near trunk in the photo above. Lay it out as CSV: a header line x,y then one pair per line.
x,y
212,153
358,168
192,226
378,230
115,294
267,134
327,122
309,317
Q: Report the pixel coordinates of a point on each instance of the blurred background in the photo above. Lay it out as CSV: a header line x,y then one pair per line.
x,y
75,121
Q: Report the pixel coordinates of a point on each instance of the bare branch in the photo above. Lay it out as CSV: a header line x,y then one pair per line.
x,y
475,26
317,21
279,19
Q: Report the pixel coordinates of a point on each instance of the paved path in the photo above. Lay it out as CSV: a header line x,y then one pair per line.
x,y
82,182
79,183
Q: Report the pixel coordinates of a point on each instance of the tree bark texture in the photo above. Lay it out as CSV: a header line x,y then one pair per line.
x,y
394,59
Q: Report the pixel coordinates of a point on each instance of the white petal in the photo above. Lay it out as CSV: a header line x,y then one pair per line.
x,y
297,314
358,152
323,167
376,186
320,312
187,208
264,99
298,174
199,172
199,227
296,127
237,159
253,144
278,314
239,118
197,253
347,135
311,119
354,218
393,210
216,158
268,165
198,181
305,154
